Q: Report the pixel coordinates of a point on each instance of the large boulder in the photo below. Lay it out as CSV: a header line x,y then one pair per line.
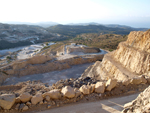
x,y
25,97
92,88
85,89
126,82
36,99
138,80
110,84
68,92
54,94
7,100
100,87
77,92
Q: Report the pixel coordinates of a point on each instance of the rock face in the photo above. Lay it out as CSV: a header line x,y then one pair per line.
x,y
140,105
129,60
7,100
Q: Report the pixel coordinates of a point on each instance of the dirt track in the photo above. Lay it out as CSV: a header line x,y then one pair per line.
x,y
114,105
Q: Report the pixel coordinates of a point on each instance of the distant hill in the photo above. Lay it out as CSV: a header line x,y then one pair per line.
x,y
42,24
73,30
12,35
107,25
84,24
21,34
106,41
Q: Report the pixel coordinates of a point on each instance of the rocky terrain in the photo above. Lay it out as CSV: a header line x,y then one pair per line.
x,y
140,105
15,35
129,61
121,72
20,35
46,63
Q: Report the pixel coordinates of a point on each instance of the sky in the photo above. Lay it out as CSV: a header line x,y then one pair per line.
x,y
135,13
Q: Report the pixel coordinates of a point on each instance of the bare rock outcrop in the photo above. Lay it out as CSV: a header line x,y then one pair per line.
x,y
140,105
131,59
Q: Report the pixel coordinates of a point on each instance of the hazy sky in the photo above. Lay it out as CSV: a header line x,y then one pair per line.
x,y
134,13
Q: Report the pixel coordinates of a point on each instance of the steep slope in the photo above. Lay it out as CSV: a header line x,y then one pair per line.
x,y
130,60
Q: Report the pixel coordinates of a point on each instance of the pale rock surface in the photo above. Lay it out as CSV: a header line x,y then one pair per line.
x,y
17,100
138,80
40,59
85,89
53,94
100,87
68,92
129,60
126,82
92,88
77,92
36,99
140,105
110,84
82,49
7,100
25,97
25,108
28,103
47,98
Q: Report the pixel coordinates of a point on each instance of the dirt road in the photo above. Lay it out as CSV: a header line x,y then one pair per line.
x,y
113,105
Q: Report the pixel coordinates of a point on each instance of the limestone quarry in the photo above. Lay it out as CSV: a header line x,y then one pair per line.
x,y
122,72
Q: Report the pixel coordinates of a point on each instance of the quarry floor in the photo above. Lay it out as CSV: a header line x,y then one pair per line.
x,y
111,105
51,77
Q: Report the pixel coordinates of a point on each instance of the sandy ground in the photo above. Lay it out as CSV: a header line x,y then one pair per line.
x,y
113,105
51,77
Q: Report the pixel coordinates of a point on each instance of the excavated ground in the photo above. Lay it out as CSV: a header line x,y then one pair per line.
x,y
36,86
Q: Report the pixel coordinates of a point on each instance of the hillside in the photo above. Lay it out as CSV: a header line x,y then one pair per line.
x,y
122,72
73,30
128,61
106,41
20,35
15,35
